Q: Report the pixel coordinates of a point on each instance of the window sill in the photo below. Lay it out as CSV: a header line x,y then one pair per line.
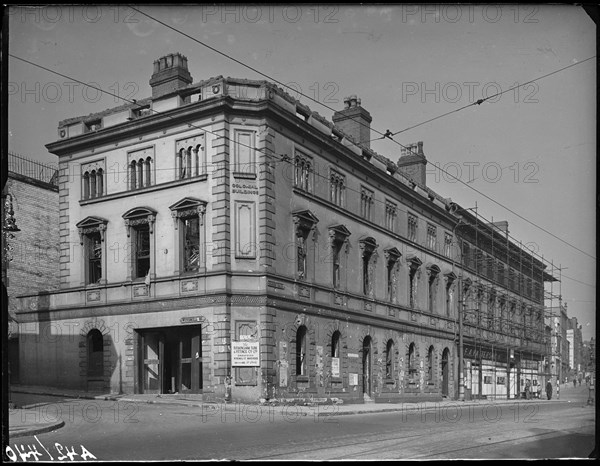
x,y
146,189
245,176
302,378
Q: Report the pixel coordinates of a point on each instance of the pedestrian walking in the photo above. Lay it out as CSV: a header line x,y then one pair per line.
x,y
574,382
549,390
527,390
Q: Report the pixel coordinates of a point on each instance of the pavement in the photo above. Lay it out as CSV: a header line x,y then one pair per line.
x,y
23,421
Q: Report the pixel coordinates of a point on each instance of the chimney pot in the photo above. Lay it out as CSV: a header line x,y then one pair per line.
x,y
170,73
354,120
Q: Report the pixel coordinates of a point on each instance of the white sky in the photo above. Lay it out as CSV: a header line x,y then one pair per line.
x,y
408,64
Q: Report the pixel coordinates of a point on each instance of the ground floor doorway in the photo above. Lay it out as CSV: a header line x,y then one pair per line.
x,y
170,360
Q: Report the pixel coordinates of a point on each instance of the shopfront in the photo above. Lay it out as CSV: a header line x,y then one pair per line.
x,y
169,360
487,374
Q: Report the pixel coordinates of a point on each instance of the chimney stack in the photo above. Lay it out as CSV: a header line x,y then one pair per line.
x,y
355,121
412,162
502,226
170,73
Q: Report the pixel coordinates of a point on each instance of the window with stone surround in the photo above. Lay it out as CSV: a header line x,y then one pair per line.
x,y
338,237
190,157
412,227
450,279
303,172
412,362
368,248
337,188
414,264
391,211
141,168
139,222
92,176
305,223
433,272
430,363
188,217
389,360
392,261
366,202
431,236
91,234
447,245
335,354
301,359
244,153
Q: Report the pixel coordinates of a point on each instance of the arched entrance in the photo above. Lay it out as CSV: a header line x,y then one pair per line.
x,y
95,355
445,372
366,364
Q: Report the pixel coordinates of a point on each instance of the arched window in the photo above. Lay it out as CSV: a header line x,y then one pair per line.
x,y
132,175
197,168
100,182
335,344
93,184
301,362
148,171
179,164
86,185
335,354
412,369
140,167
389,360
430,358
95,352
188,163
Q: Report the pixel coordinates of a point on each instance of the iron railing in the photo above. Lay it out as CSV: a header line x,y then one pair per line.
x,y
32,169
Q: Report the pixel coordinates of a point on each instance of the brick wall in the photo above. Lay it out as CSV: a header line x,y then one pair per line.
x,y
35,251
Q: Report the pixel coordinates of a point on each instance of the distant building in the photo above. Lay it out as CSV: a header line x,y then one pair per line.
x,y
32,259
575,347
559,357
221,234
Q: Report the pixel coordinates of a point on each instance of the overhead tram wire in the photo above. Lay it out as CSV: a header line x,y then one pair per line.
x,y
135,102
284,158
480,101
387,134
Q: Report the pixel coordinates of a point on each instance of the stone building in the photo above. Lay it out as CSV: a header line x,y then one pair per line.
x,y
560,344
31,261
221,233
575,340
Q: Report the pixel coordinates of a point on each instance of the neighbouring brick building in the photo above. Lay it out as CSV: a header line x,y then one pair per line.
x,y
222,229
32,262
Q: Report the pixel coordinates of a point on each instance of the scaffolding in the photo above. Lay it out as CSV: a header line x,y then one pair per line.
x,y
508,301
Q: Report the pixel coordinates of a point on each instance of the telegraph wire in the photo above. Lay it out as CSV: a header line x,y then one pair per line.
x,y
480,101
388,134
284,157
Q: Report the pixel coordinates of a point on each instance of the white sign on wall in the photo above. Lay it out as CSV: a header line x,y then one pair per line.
x,y
335,367
245,353
353,379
